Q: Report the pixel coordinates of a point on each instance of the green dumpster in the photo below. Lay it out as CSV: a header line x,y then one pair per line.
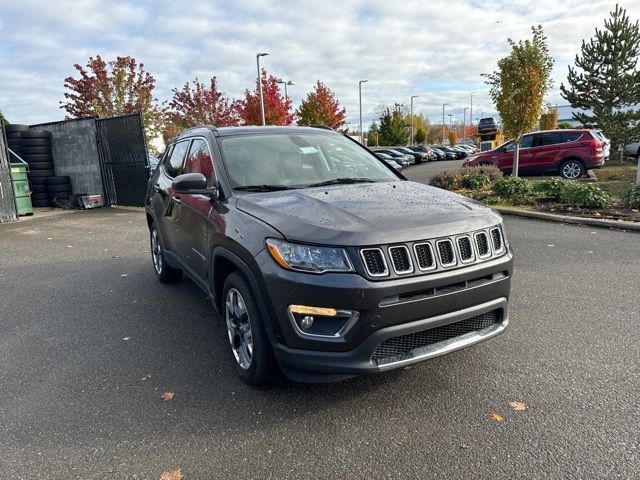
x,y
21,190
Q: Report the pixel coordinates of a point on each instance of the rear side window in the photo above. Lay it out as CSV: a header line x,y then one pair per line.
x,y
549,139
570,136
199,160
173,164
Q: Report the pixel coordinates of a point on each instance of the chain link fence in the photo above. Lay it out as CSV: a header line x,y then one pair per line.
x,y
7,201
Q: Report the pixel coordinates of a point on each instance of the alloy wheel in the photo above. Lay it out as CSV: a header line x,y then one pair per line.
x,y
572,170
156,251
239,328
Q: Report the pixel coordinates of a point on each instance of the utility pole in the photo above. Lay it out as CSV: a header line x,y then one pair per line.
x,y
471,111
260,86
412,97
443,124
360,98
464,122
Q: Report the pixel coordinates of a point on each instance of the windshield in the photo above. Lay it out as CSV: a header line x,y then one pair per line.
x,y
292,160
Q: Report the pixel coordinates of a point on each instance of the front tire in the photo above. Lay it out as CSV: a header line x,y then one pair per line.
x,y
572,169
251,351
165,273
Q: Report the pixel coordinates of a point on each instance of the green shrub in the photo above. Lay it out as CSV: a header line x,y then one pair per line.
x,y
631,198
492,200
553,188
475,181
512,188
449,180
584,195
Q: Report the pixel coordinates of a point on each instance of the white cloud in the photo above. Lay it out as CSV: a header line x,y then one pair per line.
x,y
436,49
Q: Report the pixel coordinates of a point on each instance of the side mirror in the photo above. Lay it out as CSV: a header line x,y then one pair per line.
x,y
193,183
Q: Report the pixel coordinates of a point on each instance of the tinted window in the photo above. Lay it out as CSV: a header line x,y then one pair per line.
x,y
173,165
570,136
199,160
527,141
549,139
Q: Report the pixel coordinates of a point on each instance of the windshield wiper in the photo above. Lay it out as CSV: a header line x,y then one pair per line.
x,y
341,181
263,188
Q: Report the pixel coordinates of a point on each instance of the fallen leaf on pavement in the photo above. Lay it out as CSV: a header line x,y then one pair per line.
x,y
125,338
464,446
174,475
496,417
146,377
167,396
517,406
123,275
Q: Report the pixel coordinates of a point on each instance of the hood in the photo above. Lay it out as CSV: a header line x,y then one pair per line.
x,y
367,213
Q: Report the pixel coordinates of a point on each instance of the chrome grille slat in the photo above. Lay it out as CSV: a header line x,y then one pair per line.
x,y
401,259
498,242
424,255
465,249
446,253
374,262
482,245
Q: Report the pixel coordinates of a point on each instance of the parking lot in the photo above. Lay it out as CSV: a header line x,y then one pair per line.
x,y
89,340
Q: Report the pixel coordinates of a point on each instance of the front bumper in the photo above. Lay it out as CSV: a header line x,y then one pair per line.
x,y
380,318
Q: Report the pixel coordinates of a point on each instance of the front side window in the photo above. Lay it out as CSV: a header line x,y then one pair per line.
x,y
297,160
199,160
173,165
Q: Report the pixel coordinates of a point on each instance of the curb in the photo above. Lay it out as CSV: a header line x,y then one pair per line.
x,y
552,217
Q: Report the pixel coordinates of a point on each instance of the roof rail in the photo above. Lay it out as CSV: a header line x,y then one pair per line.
x,y
324,127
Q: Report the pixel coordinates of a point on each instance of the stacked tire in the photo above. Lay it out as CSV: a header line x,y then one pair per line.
x,y
14,137
36,151
58,190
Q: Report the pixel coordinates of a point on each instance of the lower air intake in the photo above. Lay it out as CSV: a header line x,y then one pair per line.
x,y
399,348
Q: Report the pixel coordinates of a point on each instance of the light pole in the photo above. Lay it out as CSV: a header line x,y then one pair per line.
x,y
258,55
412,97
471,111
443,124
464,122
285,82
360,98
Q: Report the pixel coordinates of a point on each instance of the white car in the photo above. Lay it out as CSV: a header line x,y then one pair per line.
x,y
606,144
632,149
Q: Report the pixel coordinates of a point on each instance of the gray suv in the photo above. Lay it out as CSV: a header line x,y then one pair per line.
x,y
323,261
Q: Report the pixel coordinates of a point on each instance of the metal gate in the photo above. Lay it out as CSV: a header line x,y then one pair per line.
x,y
124,162
7,201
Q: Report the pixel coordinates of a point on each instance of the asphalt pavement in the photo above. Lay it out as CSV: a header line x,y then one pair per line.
x,y
89,341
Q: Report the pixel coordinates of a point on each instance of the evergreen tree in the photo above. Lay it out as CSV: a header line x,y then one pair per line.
x,y
373,135
419,136
606,81
393,130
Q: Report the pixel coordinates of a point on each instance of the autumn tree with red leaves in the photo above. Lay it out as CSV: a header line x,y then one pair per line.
x,y
198,105
277,109
116,87
322,108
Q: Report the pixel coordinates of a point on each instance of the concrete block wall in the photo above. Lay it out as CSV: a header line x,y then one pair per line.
x,y
75,153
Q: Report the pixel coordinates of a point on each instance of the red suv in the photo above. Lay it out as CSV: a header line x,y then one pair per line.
x,y
568,153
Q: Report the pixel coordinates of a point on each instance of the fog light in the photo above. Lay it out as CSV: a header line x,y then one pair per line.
x,y
306,322
321,321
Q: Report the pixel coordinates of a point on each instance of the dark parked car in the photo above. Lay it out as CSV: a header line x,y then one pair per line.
x,y
451,154
389,160
295,235
441,155
487,125
405,160
568,153
431,155
419,157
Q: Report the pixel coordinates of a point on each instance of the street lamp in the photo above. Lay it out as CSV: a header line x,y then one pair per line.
x,y
412,97
285,82
443,124
360,97
464,122
258,55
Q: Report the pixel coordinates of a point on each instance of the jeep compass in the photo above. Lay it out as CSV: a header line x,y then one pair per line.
x,y
322,260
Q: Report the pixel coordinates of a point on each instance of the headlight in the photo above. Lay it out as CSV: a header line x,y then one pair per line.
x,y
309,258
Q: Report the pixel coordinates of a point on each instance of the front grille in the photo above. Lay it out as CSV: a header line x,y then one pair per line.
x,y
375,262
424,254
400,348
482,243
497,240
465,249
445,250
401,259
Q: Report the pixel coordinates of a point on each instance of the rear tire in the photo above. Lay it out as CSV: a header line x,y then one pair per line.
x,y
250,347
165,273
572,169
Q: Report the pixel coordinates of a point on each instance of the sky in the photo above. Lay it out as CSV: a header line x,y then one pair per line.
x,y
431,48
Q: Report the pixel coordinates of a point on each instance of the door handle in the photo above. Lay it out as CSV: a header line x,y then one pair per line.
x,y
156,187
176,200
